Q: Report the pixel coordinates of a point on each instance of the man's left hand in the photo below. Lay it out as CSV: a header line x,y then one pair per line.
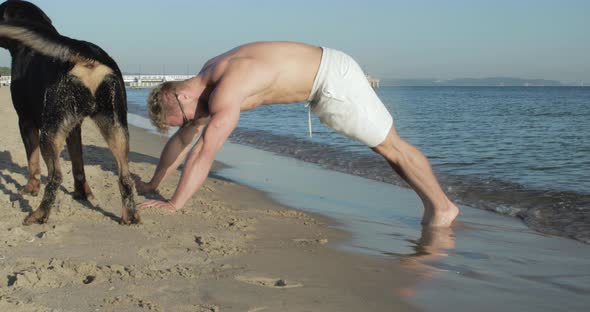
x,y
166,205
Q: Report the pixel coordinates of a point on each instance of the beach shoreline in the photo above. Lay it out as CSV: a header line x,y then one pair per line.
x,y
231,248
351,244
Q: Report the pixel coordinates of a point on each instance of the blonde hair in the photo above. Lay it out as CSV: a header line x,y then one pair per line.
x,y
156,106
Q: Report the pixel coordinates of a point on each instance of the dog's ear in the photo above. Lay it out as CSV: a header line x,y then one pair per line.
x,y
24,11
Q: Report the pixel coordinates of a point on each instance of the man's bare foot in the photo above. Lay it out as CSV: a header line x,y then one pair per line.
x,y
440,217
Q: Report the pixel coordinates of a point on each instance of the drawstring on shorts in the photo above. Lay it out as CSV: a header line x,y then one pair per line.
x,y
308,105
309,118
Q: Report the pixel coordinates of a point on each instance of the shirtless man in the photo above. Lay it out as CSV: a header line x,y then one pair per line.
x,y
264,73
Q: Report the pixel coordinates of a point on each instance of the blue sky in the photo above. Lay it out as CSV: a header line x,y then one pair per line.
x,y
390,39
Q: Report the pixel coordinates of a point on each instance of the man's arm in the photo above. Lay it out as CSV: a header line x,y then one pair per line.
x,y
172,155
223,122
224,108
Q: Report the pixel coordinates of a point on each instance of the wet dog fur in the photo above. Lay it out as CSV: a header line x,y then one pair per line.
x,y
57,82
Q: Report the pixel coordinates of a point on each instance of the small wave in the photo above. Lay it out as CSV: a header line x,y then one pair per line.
x,y
544,168
555,114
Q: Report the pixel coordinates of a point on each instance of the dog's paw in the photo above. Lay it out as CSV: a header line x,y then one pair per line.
x,y
37,216
130,218
82,192
32,188
80,195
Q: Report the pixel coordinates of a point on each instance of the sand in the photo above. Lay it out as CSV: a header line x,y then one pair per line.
x,y
230,249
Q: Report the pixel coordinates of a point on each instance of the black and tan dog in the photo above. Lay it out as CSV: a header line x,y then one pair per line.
x,y
57,82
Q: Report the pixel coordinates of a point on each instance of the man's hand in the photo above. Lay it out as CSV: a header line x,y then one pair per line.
x,y
143,188
166,205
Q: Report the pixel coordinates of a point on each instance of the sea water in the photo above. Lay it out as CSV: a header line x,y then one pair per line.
x,y
519,151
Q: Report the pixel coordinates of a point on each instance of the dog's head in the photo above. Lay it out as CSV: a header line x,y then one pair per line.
x,y
17,10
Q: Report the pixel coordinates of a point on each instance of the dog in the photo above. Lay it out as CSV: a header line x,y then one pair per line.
x,y
57,82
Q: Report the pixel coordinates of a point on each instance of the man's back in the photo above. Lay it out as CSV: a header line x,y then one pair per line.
x,y
272,72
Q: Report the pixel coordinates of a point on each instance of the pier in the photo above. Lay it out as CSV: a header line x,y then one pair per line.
x,y
150,81
373,81
131,81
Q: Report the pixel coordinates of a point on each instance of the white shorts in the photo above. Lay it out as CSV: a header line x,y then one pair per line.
x,y
344,100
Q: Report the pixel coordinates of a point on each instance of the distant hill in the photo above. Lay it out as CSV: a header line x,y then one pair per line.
x,y
471,82
4,71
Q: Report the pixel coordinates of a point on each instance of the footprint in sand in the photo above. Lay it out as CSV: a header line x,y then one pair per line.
x,y
268,282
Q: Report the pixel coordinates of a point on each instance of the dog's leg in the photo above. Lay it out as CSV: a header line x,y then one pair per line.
x,y
117,137
119,144
30,136
81,187
58,122
112,122
52,142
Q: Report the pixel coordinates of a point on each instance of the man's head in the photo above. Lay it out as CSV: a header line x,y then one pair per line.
x,y
165,108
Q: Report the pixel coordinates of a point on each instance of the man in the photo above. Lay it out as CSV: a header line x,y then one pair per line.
x,y
265,73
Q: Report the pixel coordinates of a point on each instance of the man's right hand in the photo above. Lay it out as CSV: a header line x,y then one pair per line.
x,y
143,188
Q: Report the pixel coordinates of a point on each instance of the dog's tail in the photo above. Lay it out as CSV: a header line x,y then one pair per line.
x,y
47,41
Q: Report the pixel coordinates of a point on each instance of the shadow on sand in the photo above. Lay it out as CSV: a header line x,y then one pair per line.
x,y
93,156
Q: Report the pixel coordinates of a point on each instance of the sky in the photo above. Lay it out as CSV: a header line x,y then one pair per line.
x,y
440,39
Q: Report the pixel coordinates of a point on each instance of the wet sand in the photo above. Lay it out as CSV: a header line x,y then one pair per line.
x,y
485,262
230,249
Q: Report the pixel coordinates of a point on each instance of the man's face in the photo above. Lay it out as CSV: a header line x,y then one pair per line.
x,y
172,103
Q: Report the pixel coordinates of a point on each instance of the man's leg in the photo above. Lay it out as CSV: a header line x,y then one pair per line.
x,y
414,168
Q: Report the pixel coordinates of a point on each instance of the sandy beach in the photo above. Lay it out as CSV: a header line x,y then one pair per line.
x,y
236,248
230,249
